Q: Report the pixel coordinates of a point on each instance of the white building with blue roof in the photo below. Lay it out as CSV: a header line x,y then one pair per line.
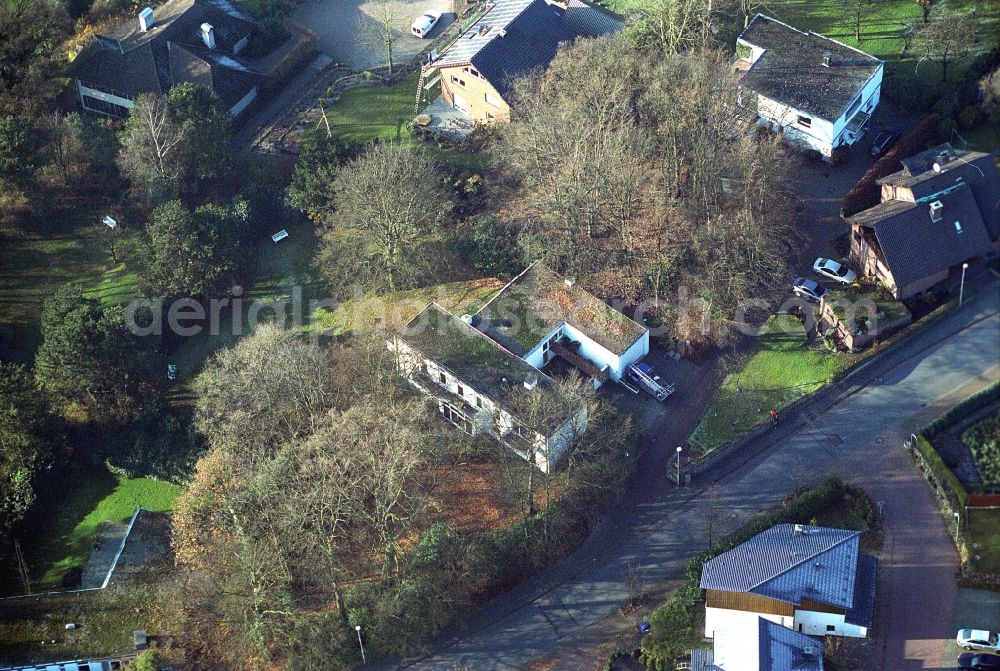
x,y
813,580
760,645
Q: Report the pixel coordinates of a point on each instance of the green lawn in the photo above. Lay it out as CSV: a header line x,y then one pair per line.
x,y
780,370
34,263
70,521
984,530
367,113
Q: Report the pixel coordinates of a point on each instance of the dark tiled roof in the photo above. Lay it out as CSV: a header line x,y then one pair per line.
x,y
538,300
590,20
130,62
862,613
820,565
914,246
791,70
976,169
474,358
762,645
509,40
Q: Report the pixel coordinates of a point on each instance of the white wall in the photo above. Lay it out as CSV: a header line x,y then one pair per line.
x,y
815,624
870,96
819,135
636,351
536,356
596,354
238,108
717,619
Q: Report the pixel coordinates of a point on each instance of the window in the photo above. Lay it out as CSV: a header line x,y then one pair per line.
x,y
493,100
958,227
461,392
857,237
831,627
853,108
490,116
479,401
457,82
804,121
443,378
104,107
456,417
472,71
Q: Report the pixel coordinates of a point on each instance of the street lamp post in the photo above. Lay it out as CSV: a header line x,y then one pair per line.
x,y
961,287
679,448
958,523
357,628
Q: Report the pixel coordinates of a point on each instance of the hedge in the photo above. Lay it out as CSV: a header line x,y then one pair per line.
x,y
941,474
982,399
671,625
867,192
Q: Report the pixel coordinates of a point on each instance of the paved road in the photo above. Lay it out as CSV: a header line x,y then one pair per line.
x,y
859,438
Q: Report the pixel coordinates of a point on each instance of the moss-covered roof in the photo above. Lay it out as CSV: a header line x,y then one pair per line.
x,y
538,300
889,309
475,359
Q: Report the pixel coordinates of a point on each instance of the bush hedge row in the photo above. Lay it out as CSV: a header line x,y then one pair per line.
x,y
983,399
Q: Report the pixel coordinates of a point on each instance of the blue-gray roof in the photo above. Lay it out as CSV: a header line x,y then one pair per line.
x,y
862,612
509,40
763,645
584,18
816,563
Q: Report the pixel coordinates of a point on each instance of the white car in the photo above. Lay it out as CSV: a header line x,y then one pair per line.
x,y
978,639
837,272
425,23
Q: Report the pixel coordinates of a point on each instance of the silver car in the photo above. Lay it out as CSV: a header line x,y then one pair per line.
x,y
837,272
808,289
978,639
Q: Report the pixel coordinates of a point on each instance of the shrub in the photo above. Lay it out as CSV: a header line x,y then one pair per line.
x,y
148,660
983,441
867,193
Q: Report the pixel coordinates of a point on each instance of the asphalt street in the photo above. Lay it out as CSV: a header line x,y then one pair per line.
x,y
859,438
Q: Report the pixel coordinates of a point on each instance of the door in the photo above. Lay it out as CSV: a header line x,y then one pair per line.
x,y
460,104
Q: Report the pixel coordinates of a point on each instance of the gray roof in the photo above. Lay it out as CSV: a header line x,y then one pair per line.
x,y
819,564
862,612
510,39
130,62
791,70
976,169
475,359
914,246
590,20
762,645
539,300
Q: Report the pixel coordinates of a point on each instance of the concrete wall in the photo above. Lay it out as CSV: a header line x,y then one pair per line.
x,y
636,351
474,93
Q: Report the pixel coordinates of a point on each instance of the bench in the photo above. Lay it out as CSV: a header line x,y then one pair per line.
x,y
279,236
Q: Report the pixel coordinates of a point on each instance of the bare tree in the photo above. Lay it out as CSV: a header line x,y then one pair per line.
x,y
389,198
857,13
384,27
944,39
270,388
672,26
151,148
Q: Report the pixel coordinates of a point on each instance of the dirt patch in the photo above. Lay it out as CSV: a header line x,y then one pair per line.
x,y
470,498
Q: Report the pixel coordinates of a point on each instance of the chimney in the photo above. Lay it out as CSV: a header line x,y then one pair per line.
x,y
208,35
936,211
798,530
467,319
146,21
531,381
826,58
570,282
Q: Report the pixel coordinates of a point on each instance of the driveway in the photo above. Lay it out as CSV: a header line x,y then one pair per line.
x,y
575,604
348,31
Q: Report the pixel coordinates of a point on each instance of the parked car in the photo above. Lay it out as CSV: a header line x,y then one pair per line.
x,y
978,639
837,272
424,24
977,661
808,289
883,142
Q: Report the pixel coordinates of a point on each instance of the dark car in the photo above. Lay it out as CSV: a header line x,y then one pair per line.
x,y
977,661
883,142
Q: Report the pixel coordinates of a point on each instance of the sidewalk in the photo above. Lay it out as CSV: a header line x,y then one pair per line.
x,y
576,602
